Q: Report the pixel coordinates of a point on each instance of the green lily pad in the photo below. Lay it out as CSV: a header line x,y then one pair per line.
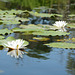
x,y
44,14
11,12
61,45
72,15
41,38
73,39
2,37
7,16
48,27
27,33
2,41
21,19
71,25
10,22
53,33
10,38
4,31
29,28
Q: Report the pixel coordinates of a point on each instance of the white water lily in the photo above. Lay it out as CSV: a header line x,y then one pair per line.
x,y
16,47
61,25
16,44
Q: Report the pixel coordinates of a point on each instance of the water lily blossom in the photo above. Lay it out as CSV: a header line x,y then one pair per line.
x,y
16,46
61,25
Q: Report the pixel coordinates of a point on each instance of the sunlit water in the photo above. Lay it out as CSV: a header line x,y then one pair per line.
x,y
54,62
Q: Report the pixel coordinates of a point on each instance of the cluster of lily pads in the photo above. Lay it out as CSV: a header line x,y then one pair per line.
x,y
18,45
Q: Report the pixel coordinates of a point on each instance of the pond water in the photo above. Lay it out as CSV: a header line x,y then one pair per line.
x,y
40,60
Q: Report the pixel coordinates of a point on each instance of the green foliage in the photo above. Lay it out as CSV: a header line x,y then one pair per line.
x,y
52,33
29,28
2,37
8,17
71,25
10,22
61,45
41,38
4,31
44,14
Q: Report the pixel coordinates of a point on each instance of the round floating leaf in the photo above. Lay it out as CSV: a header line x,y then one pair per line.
x,y
5,40
10,22
25,43
2,37
61,45
48,27
73,39
29,28
27,33
41,38
44,14
10,38
32,27
21,19
72,15
71,25
7,16
53,33
4,31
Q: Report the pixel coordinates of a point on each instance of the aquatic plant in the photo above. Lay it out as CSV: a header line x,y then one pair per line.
x,y
16,44
61,25
61,45
5,31
52,33
14,47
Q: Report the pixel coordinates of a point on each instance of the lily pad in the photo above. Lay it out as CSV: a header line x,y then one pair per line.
x,y
72,15
4,31
48,27
53,33
10,22
21,19
44,14
61,45
2,37
72,39
41,38
2,41
10,38
29,28
7,16
71,25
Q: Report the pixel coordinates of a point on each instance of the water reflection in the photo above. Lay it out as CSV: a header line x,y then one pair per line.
x,y
71,63
34,50
15,53
38,50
